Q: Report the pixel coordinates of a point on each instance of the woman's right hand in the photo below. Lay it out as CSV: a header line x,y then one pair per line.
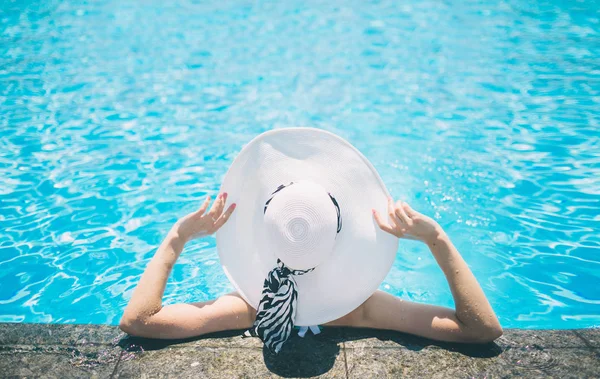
x,y
405,222
201,223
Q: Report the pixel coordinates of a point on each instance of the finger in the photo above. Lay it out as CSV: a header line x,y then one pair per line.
x,y
225,216
402,215
397,214
218,206
391,214
204,206
409,211
382,224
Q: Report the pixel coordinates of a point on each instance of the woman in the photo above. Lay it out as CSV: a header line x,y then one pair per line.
x,y
473,320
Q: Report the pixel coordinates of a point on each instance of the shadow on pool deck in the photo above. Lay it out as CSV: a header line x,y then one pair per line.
x,y
103,351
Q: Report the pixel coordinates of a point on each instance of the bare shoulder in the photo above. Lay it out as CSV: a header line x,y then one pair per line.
x,y
185,320
375,311
385,311
231,309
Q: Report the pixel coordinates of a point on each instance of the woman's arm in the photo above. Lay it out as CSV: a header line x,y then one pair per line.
x,y
145,315
473,310
472,321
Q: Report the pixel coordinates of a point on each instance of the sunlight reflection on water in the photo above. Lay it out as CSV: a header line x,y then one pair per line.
x,y
117,118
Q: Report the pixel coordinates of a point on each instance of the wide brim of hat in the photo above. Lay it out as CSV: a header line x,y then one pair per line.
x,y
363,253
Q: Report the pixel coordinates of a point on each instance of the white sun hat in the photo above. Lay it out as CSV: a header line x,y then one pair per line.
x,y
299,223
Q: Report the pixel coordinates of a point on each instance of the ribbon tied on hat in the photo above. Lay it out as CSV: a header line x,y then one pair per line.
x,y
276,311
277,308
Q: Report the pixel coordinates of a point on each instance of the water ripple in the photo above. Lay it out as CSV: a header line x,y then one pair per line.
x,y
117,118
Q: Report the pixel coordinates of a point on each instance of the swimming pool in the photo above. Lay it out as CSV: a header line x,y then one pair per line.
x,y
118,117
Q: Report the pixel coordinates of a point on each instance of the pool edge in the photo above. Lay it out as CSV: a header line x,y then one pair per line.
x,y
102,350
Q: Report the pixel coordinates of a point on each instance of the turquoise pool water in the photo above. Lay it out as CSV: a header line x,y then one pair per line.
x,y
117,117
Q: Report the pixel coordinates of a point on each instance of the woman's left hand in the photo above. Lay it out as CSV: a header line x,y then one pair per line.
x,y
201,223
405,222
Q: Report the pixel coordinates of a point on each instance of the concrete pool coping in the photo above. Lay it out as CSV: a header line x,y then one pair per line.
x,y
65,351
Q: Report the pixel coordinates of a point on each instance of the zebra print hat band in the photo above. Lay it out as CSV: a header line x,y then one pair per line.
x,y
276,311
333,200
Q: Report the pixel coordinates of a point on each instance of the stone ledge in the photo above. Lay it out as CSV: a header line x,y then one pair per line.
x,y
74,351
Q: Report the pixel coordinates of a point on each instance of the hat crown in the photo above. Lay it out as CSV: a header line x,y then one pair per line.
x,y
301,225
